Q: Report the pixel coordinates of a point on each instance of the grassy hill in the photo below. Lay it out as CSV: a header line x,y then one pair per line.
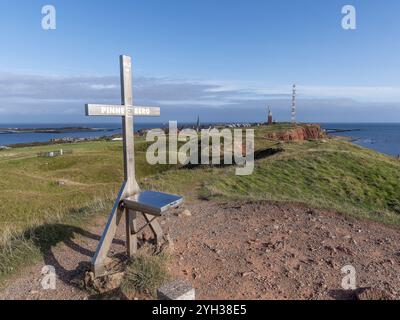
x,y
41,198
38,194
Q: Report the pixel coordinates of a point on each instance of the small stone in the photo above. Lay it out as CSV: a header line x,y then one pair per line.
x,y
177,290
186,213
146,237
344,250
311,212
332,264
104,284
196,276
331,249
390,261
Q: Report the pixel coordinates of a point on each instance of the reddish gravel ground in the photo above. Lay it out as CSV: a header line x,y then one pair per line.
x,y
244,251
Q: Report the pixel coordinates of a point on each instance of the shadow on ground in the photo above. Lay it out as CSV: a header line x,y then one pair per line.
x,y
47,237
258,155
343,294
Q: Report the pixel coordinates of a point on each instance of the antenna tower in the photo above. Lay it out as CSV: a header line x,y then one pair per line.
x,y
294,105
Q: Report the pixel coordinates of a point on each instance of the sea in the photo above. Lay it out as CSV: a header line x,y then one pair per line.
x,y
104,129
381,137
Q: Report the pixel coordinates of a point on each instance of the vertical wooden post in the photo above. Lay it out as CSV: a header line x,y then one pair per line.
x,y
129,152
127,125
131,232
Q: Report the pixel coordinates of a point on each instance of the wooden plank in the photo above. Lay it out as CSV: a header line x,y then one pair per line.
x,y
127,125
106,110
121,111
108,234
143,111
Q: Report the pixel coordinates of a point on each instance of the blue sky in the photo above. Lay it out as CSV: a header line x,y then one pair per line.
x,y
225,60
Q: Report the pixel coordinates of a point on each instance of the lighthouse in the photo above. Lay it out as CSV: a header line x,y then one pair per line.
x,y
270,120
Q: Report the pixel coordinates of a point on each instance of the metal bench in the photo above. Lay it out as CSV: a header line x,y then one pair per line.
x,y
150,204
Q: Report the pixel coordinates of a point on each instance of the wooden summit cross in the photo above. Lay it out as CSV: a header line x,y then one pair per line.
x,y
130,199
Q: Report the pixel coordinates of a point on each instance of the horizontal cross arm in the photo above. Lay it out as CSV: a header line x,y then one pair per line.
x,y
121,110
143,111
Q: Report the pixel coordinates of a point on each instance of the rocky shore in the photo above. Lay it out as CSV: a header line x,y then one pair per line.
x,y
51,130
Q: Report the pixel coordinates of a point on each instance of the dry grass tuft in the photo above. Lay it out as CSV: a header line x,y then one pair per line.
x,y
146,273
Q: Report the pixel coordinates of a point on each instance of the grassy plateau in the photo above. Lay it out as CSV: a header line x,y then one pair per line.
x,y
43,200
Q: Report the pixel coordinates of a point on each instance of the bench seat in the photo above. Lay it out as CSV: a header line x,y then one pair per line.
x,y
152,202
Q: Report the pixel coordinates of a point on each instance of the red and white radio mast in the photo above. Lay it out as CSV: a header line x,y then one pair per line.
x,y
294,105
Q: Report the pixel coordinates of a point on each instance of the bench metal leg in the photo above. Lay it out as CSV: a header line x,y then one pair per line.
x,y
131,232
155,227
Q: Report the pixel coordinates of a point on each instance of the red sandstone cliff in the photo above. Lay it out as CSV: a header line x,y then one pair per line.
x,y
303,132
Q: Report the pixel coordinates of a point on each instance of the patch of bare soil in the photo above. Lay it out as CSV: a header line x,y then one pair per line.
x,y
244,251
281,251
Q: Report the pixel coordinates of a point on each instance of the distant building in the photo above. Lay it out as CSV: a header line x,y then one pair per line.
x,y
63,140
198,124
270,119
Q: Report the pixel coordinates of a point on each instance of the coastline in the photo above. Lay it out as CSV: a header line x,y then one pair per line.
x,y
51,130
383,138
60,141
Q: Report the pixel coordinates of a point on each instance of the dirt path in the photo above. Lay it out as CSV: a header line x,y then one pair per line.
x,y
267,251
244,251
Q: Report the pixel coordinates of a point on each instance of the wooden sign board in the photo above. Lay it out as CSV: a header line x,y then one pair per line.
x,y
121,110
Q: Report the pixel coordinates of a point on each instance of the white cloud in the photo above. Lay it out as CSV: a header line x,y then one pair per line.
x,y
103,86
202,102
33,94
370,94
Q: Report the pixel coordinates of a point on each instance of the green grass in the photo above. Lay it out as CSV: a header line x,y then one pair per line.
x,y
332,175
36,213
31,197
